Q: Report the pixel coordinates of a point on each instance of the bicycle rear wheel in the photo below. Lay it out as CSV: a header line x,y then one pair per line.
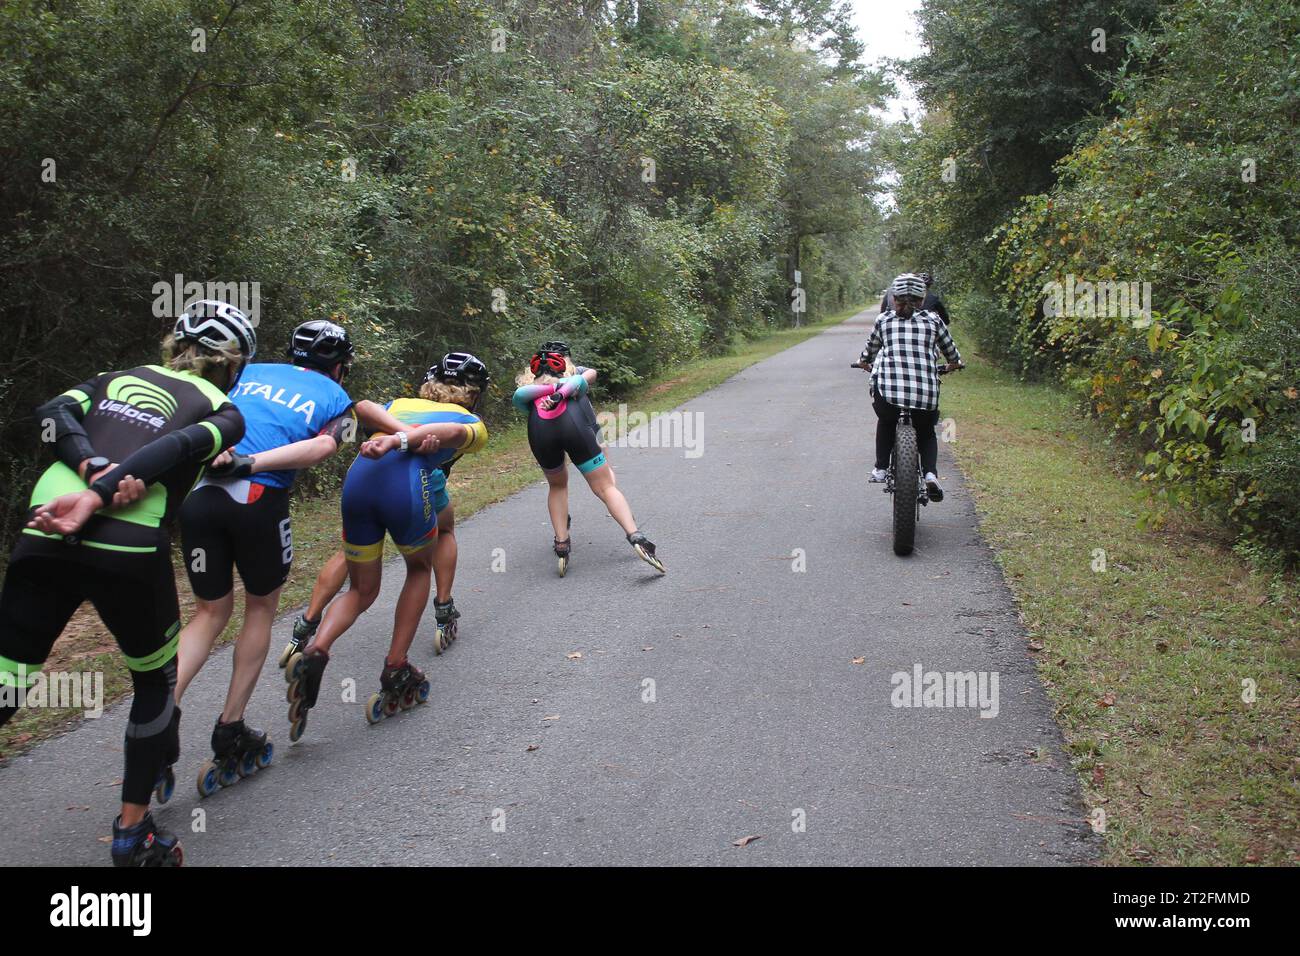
x,y
906,479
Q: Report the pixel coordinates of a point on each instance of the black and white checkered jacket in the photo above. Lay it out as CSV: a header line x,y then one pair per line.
x,y
902,355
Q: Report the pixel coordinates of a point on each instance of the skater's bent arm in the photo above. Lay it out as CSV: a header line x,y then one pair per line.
x,y
195,443
526,394
71,443
299,454
376,418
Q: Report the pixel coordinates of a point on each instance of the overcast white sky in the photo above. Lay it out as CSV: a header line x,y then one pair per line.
x,y
888,29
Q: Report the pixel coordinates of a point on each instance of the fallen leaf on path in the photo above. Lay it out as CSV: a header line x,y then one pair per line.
x,y
648,647
575,656
552,717
532,747
746,841
1108,700
1035,645
859,660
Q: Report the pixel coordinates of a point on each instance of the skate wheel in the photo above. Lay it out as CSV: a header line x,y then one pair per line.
x,y
296,713
392,704
438,645
289,650
264,756
228,774
409,698
375,708
422,692
293,691
248,764
564,566
649,559
166,786
176,856
453,631
296,728
207,782
293,669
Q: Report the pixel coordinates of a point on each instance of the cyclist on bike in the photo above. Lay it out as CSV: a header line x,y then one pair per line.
x,y
931,303
88,539
901,355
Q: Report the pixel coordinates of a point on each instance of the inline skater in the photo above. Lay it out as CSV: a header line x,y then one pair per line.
x,y
901,355
550,392
394,489
237,517
91,537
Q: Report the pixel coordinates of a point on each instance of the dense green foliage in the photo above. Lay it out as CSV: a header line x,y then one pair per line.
x,y
1184,177
639,178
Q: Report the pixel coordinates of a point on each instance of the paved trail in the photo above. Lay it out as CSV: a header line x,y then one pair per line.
x,y
760,718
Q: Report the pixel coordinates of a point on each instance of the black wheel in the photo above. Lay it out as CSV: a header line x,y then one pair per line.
x,y
905,483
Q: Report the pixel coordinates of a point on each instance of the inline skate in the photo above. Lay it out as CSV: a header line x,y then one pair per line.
x,y
564,548
166,784
238,751
645,550
403,687
446,616
303,631
145,845
303,672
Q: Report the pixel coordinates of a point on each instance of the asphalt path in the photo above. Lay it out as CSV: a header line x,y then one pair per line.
x,y
750,692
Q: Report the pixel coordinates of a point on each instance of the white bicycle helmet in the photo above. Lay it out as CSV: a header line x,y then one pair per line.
x,y
218,326
908,284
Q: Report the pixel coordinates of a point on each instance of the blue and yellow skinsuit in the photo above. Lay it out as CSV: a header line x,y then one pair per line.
x,y
402,493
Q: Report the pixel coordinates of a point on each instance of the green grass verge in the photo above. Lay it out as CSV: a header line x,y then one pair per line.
x,y
1149,662
505,467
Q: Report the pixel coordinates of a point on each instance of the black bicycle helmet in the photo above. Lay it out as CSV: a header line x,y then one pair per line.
x,y
561,348
320,344
459,368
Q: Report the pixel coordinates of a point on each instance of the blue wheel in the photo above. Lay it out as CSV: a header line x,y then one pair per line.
x,y
208,783
422,692
248,763
264,756
166,785
375,708
227,775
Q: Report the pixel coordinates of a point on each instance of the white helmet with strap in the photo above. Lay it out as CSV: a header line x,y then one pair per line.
x,y
217,326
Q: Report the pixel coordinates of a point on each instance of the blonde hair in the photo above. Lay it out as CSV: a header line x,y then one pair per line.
x,y
526,377
463,395
218,366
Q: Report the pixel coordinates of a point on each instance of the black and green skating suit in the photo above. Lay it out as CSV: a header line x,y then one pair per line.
x,y
160,426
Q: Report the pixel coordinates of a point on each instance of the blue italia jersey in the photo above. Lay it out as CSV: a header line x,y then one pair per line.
x,y
283,404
